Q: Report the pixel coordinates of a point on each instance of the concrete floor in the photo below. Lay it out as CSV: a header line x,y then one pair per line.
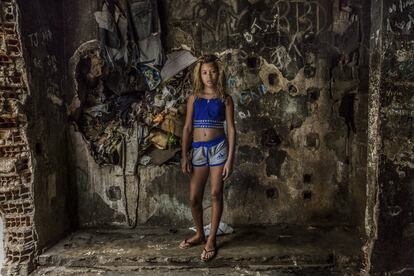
x,y
253,250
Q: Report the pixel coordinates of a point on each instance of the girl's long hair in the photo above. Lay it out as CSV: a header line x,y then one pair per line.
x,y
198,85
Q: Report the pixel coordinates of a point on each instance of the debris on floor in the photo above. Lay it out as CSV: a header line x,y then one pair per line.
x,y
223,228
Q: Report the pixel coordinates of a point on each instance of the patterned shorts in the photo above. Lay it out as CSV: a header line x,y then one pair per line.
x,y
210,153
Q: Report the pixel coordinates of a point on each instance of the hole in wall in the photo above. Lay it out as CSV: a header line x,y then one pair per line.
x,y
273,79
307,178
313,94
38,149
270,138
346,110
307,195
252,62
309,71
312,140
292,89
272,193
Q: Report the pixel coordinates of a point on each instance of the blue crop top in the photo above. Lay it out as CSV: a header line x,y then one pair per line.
x,y
208,113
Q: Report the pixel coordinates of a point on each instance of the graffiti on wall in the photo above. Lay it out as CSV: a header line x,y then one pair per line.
x,y
401,17
280,31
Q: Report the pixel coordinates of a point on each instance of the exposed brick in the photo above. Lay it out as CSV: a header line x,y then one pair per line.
x,y
16,199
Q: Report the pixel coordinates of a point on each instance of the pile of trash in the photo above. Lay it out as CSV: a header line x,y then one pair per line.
x,y
125,83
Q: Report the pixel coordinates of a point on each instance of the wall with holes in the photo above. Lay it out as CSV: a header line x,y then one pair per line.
x,y
297,72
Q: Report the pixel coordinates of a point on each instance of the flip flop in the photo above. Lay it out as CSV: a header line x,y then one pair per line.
x,y
208,251
188,244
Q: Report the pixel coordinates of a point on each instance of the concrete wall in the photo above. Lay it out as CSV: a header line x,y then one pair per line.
x,y
43,47
302,142
301,148
391,167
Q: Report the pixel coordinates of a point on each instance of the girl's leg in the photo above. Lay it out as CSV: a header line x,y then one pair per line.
x,y
197,185
198,180
216,182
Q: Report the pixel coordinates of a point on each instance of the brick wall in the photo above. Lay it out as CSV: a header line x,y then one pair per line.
x,y
16,173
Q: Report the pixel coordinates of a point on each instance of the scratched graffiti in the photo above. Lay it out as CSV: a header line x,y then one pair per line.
x,y
401,17
231,18
231,81
291,17
40,38
277,30
46,64
252,94
286,24
220,20
280,57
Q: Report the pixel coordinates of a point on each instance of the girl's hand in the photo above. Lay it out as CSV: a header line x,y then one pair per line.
x,y
227,169
185,166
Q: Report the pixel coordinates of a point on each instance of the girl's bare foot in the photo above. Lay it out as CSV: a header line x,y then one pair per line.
x,y
209,251
195,240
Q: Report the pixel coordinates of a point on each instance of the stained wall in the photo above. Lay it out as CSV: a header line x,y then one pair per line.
x,y
297,72
390,170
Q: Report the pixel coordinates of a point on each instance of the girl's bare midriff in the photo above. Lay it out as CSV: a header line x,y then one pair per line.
x,y
206,134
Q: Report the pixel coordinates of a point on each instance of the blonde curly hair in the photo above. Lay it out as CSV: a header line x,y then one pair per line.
x,y
198,85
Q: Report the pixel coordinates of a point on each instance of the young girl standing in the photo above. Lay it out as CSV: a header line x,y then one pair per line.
x,y
211,152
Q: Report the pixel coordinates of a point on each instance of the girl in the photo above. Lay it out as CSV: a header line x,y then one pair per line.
x,y
211,153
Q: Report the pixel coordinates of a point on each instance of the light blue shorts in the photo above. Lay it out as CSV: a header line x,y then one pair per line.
x,y
210,153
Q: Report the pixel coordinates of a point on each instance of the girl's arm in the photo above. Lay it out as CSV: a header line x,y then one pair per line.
x,y
231,130
187,129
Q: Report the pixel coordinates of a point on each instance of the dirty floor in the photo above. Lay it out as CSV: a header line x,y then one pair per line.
x,y
253,250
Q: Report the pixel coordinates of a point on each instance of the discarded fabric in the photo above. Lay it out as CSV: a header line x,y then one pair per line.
x,y
223,228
